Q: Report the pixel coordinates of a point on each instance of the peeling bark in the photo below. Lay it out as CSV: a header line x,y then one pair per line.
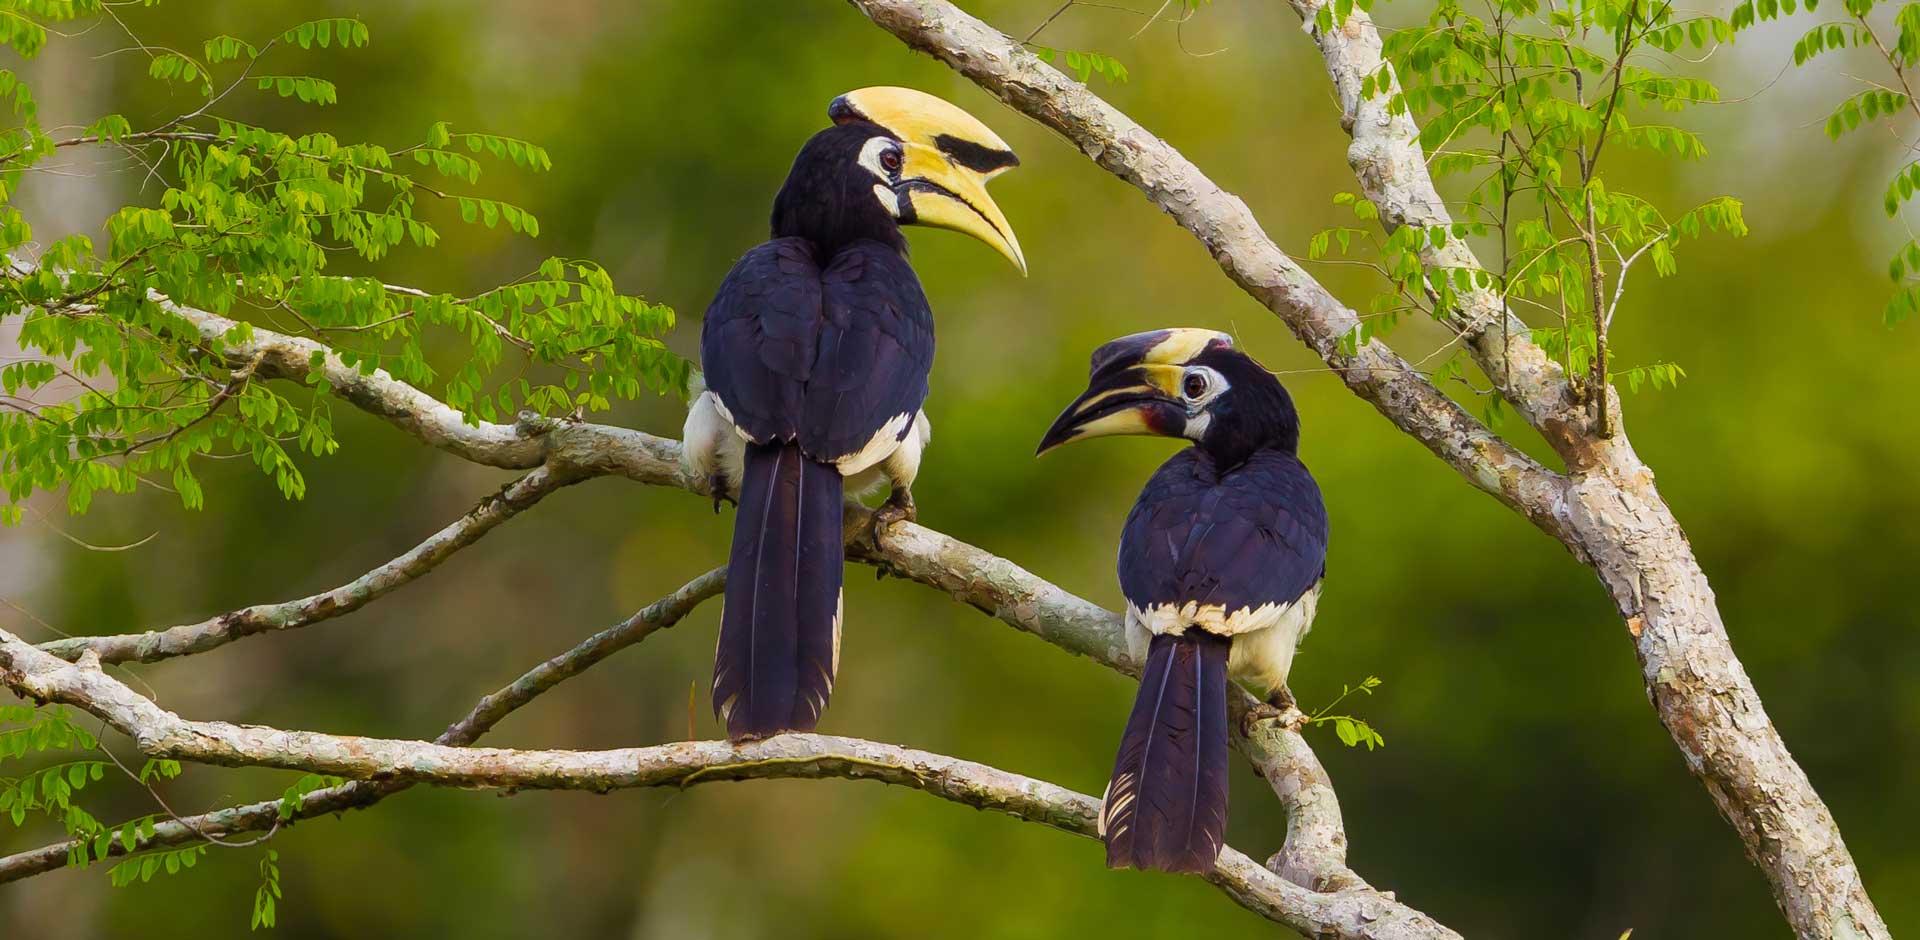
x,y
1605,510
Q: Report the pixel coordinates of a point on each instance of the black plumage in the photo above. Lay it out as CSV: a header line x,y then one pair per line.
x,y
815,342
1254,535
1166,805
778,644
1220,561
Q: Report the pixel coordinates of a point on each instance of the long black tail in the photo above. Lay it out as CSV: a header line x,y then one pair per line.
x,y
779,630
1166,807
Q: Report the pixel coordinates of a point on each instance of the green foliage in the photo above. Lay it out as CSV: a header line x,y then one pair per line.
x,y
1863,108
290,799
52,790
267,896
142,868
1521,105
119,388
1351,731
1879,103
1084,64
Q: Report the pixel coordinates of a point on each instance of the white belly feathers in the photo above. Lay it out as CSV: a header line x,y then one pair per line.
x,y
713,444
1264,637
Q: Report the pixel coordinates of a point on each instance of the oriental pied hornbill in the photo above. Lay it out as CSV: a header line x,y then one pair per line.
x,y
1221,562
816,351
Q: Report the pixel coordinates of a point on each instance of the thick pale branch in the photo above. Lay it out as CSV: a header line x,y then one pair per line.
x,y
1609,513
1226,227
159,733
156,645
566,448
1316,851
1392,170
266,814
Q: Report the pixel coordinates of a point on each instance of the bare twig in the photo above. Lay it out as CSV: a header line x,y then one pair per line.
x,y
267,815
186,639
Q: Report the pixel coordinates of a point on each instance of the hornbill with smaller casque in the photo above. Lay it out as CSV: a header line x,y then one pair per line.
x,y
816,351
1221,563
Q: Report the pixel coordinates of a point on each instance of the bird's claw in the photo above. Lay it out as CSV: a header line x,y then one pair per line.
x,y
899,507
1285,712
717,485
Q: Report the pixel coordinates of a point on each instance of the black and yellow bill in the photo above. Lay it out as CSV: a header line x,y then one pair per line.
x,y
1135,387
949,157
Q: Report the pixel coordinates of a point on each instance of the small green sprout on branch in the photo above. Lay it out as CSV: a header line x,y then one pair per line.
x,y
1352,731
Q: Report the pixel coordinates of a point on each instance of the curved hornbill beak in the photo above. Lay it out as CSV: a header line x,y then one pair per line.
x,y
1134,388
949,157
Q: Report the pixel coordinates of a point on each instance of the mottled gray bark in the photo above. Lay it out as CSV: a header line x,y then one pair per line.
x,y
266,814
561,452
384,764
1604,509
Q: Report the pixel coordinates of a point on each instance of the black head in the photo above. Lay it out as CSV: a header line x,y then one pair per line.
x,y
1182,383
844,186
894,157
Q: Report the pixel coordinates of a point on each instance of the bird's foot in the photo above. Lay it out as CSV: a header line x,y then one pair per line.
x,y
1278,707
1282,698
899,507
717,485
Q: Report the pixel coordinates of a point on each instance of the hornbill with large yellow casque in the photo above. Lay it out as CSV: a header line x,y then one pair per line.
x,y
1221,563
816,352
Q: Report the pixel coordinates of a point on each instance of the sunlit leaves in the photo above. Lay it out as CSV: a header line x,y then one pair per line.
x,y
225,48
1517,104
117,391
1878,103
305,88
323,32
1862,108
172,66
1827,37
266,897
1084,64
1659,375
1352,731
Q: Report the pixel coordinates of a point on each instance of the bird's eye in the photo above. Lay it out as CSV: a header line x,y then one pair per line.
x,y
891,160
1195,384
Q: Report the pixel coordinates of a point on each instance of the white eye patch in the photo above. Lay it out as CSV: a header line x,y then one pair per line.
x,y
888,198
870,157
1200,385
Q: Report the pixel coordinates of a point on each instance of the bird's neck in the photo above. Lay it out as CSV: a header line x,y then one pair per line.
x,y
1228,453
831,220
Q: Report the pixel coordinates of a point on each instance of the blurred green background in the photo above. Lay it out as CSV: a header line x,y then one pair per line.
x,y
1526,789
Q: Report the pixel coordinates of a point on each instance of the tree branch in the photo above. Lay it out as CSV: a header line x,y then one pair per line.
x,y
358,794
156,645
1607,511
1226,227
1349,914
1391,168
564,447
1315,852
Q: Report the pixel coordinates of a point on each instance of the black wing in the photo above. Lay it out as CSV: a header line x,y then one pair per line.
x,y
825,357
757,344
1256,536
875,353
